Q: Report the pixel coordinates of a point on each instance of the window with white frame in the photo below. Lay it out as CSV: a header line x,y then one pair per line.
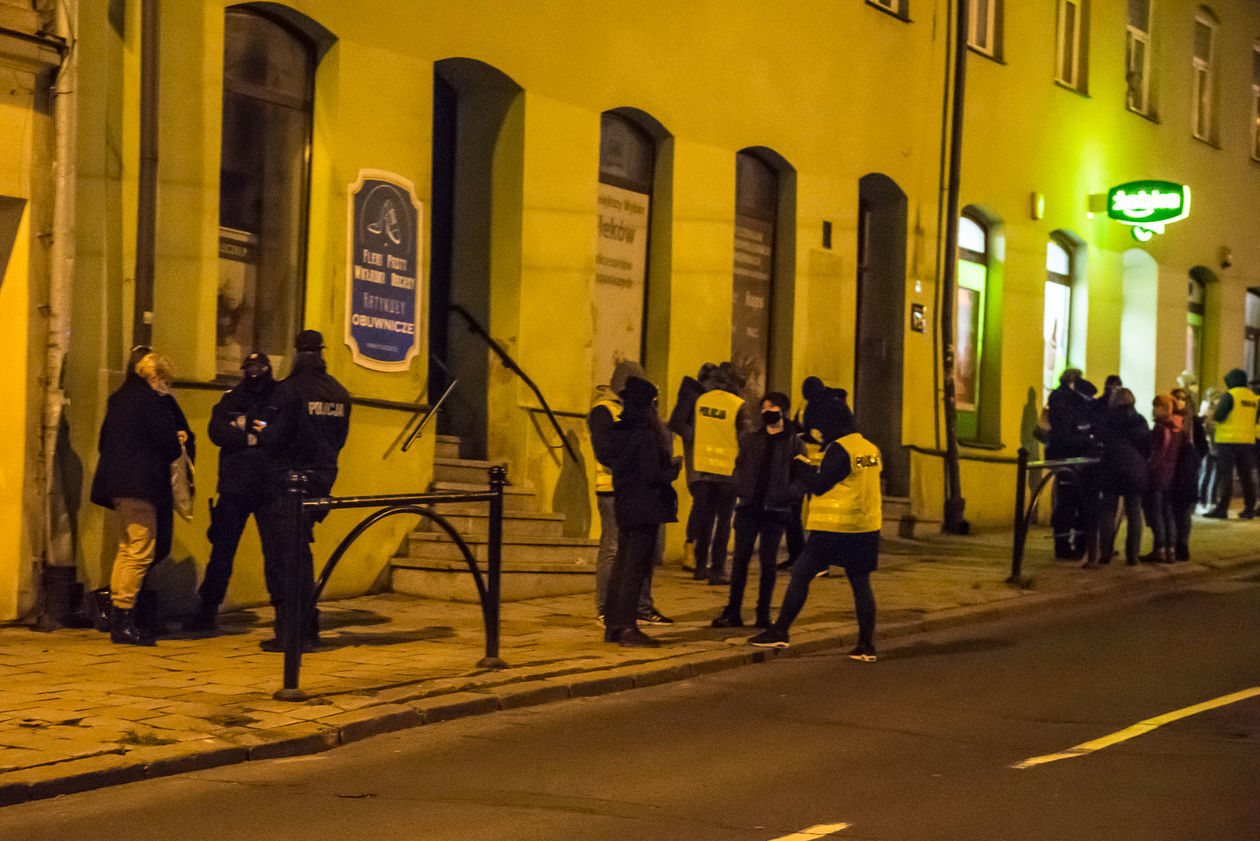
x,y
1070,62
1255,101
1203,115
1137,51
984,29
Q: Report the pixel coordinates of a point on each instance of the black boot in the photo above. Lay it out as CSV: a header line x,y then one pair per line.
x,y
125,631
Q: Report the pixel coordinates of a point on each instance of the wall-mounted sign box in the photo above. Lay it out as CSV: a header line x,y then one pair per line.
x,y
1148,205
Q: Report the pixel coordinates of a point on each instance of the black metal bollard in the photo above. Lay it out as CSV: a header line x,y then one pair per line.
x,y
289,626
494,563
1021,522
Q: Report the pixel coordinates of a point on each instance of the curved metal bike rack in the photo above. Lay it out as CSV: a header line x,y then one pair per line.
x,y
1024,512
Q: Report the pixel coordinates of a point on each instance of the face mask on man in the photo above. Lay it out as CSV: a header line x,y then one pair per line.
x,y
771,417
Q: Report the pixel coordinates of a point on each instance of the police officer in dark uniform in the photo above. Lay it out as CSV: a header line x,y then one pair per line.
x,y
245,480
306,429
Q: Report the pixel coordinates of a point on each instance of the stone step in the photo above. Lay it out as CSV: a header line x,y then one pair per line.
x,y
515,497
463,470
446,446
423,546
435,569
474,520
900,522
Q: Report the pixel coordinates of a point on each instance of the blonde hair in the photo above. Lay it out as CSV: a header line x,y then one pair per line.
x,y
156,365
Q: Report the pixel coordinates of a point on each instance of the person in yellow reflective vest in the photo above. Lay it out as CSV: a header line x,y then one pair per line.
x,y
1235,418
600,421
721,418
844,519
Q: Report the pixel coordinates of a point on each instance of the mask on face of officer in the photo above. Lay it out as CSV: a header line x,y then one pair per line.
x,y
257,371
771,418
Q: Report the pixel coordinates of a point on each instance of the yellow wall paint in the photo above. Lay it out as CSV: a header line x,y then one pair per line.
x,y
15,545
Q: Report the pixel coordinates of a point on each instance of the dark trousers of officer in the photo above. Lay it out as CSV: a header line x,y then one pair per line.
x,y
275,532
751,526
636,546
858,553
714,503
228,517
1069,514
1228,458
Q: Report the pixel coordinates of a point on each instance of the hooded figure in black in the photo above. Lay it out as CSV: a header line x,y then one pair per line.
x,y
844,519
245,480
643,470
140,437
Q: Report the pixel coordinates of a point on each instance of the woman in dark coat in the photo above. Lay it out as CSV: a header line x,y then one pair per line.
x,y
1122,474
643,469
140,437
1184,492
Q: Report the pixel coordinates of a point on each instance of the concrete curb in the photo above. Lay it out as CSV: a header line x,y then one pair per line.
x,y
406,707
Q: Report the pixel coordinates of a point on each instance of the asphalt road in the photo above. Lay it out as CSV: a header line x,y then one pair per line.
x,y
917,747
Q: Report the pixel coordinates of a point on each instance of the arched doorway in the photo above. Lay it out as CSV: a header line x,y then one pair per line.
x,y
1137,326
478,126
880,334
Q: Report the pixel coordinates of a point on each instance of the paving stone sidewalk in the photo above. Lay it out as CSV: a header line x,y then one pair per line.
x,y
77,712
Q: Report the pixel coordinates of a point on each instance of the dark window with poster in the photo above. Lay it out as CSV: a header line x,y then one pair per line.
x,y
268,90
627,156
756,205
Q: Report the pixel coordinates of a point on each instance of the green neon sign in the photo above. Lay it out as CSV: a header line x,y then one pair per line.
x,y
1148,205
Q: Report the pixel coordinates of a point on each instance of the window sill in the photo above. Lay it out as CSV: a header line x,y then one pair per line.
x,y
1206,142
996,59
1150,117
1059,83
901,16
982,445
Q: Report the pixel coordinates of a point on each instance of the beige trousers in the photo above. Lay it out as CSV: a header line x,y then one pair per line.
x,y
137,541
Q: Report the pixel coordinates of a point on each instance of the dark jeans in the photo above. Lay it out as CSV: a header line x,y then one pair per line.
x,y
635,547
274,531
751,526
1207,479
794,533
1182,518
1069,514
1160,517
608,553
860,550
713,503
1228,458
227,523
1107,528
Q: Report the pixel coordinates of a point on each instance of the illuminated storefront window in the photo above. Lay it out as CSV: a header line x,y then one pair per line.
x,y
1251,335
756,206
973,258
1058,310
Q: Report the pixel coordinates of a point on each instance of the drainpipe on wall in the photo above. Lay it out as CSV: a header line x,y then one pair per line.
x,y
146,203
58,545
954,523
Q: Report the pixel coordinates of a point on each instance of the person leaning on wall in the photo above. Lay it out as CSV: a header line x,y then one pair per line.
x,y
140,437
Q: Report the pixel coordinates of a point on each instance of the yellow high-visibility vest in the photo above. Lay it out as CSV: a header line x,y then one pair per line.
x,y
1239,426
716,439
603,476
854,504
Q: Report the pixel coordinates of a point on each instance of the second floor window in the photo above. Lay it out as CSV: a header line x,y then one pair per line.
x,y
1137,51
982,28
1255,101
1071,44
1203,116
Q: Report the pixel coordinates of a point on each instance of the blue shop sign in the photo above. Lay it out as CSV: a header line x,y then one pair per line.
x,y
382,296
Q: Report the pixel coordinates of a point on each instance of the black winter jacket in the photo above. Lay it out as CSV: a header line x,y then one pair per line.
x,y
643,471
244,470
139,440
1126,442
768,459
307,424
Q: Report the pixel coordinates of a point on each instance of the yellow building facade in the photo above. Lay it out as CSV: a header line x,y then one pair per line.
x,y
678,183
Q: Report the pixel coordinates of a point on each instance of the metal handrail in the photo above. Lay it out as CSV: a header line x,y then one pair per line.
x,y
433,409
1024,512
297,510
510,364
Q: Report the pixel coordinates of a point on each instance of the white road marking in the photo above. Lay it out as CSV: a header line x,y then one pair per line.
x,y
1140,728
814,832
